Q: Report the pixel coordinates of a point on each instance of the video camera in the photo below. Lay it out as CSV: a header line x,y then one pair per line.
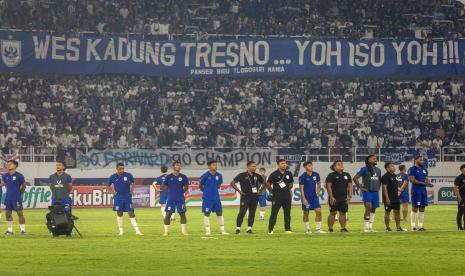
x,y
60,222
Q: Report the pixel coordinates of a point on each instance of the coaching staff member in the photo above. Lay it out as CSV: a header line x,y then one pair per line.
x,y
339,186
251,185
280,183
391,196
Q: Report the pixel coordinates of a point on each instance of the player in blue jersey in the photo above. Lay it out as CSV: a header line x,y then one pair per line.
x,y
158,182
210,182
402,179
175,185
371,176
310,187
15,185
61,185
418,176
122,187
262,196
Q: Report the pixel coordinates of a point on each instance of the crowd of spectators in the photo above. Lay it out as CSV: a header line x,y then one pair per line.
x,y
121,111
316,18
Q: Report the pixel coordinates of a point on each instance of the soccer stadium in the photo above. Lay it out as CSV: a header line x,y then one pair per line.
x,y
232,137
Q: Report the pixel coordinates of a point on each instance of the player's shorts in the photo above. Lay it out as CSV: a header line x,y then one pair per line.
x,y
67,202
262,200
313,203
419,198
371,197
404,198
14,204
393,206
163,198
339,206
173,205
123,203
209,206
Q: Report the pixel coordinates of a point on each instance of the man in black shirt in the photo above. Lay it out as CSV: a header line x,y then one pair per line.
x,y
251,185
339,186
459,190
280,183
391,196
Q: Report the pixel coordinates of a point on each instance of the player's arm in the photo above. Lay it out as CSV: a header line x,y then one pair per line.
x,y
164,188
349,191
112,189
21,180
154,184
404,186
70,181
202,183
185,187
133,185
386,194
357,182
268,184
302,194
234,186
318,188
291,183
52,188
428,181
329,187
412,179
23,187
457,191
262,186
111,186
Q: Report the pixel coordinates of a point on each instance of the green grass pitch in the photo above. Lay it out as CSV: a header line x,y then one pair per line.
x,y
101,252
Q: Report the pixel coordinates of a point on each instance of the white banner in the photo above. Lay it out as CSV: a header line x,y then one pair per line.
x,y
228,159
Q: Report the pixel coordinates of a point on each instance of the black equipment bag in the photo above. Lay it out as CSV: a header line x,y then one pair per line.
x,y
59,222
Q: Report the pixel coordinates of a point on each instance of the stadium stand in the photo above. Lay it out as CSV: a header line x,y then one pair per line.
x,y
143,112
319,18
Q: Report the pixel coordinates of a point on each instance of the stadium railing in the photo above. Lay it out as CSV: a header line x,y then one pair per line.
x,y
355,154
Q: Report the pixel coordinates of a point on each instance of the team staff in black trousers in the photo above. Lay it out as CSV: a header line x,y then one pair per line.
x,y
280,184
251,185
